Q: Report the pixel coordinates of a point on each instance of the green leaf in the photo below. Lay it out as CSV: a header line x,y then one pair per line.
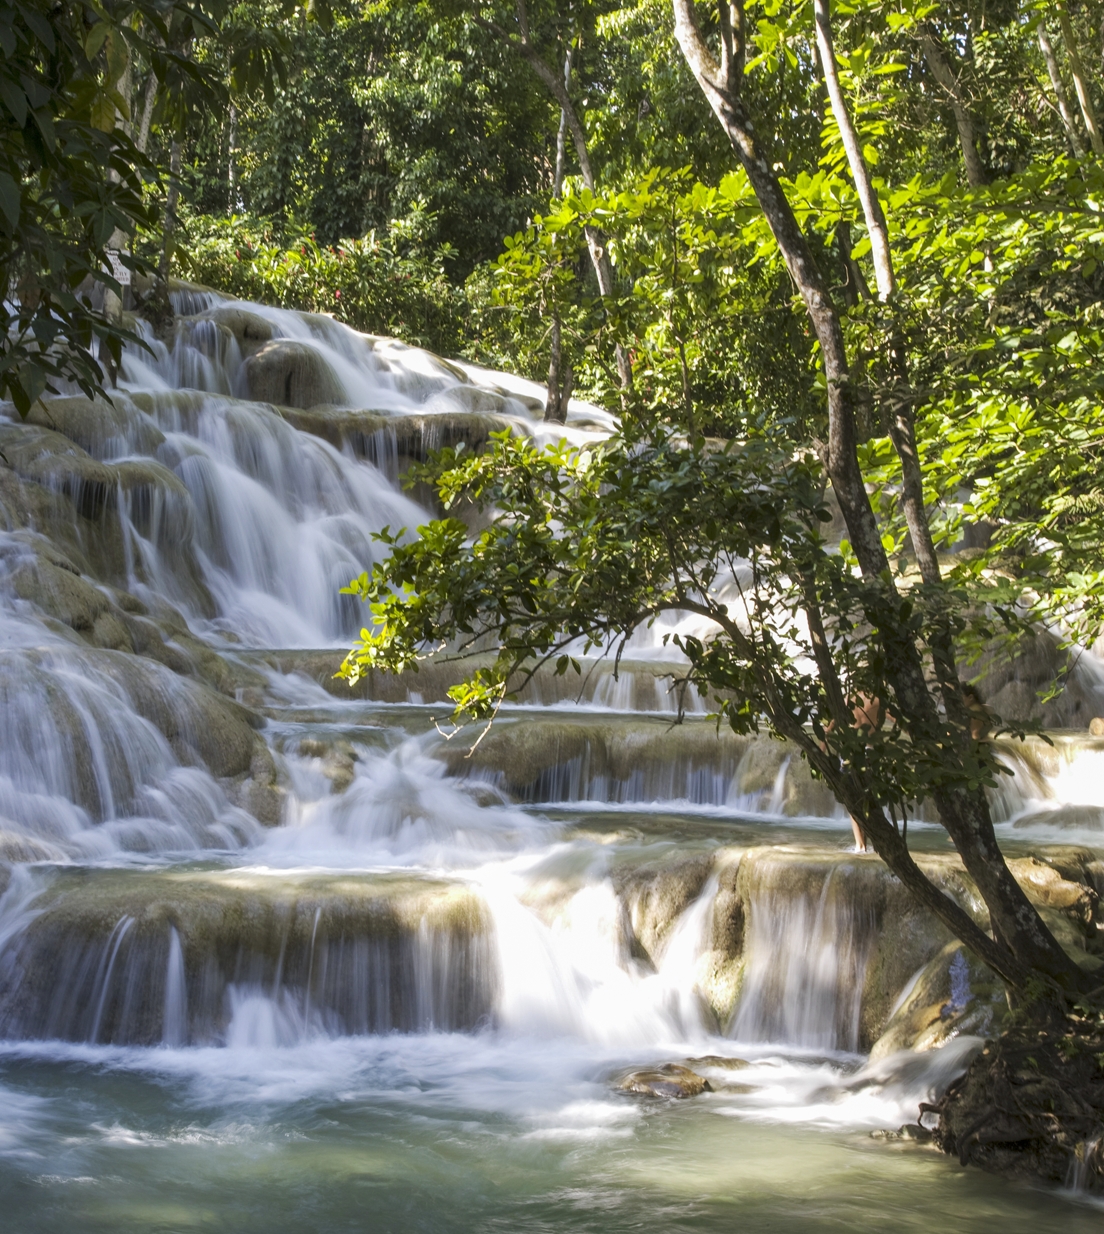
x,y
15,100
96,38
9,201
103,111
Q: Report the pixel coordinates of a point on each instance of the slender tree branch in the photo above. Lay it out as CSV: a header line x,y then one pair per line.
x,y
860,173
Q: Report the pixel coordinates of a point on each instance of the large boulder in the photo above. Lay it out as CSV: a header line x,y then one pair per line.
x,y
291,374
250,330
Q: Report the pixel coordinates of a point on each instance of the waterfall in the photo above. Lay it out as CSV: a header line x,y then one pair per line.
x,y
231,880
333,956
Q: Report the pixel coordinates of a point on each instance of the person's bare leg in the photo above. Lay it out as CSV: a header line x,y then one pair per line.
x,y
860,837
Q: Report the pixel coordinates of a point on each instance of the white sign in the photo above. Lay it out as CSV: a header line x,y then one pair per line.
x,y
119,272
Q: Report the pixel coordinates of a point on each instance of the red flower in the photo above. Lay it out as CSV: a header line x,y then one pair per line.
x,y
337,295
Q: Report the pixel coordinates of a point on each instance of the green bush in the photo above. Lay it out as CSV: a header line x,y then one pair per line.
x,y
381,285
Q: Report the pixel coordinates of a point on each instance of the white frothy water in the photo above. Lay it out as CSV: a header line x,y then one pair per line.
x,y
806,960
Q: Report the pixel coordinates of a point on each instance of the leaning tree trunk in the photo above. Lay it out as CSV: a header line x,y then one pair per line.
x,y
871,206
1022,944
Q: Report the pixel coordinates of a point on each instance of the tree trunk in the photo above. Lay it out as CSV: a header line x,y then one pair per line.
x,y
561,377
1080,81
231,170
854,282
561,132
1059,86
142,140
171,200
943,73
1024,945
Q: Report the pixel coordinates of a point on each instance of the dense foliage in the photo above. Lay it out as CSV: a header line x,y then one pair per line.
x,y
387,284
71,177
387,111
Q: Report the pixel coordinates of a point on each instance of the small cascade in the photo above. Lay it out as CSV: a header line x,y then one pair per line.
x,y
200,959
276,522
1053,790
622,762
174,1019
400,808
806,953
677,973
573,974
91,745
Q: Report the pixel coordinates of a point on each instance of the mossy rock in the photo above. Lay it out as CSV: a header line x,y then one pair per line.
x,y
656,896
101,428
50,459
671,1080
291,374
250,330
953,994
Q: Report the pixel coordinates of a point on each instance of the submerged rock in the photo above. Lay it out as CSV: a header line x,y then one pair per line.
x,y
669,1080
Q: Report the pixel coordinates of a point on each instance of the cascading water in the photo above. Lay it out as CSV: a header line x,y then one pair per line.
x,y
807,952
292,949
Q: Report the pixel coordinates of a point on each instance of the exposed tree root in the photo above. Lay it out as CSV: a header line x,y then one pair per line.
x,y
1032,1106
